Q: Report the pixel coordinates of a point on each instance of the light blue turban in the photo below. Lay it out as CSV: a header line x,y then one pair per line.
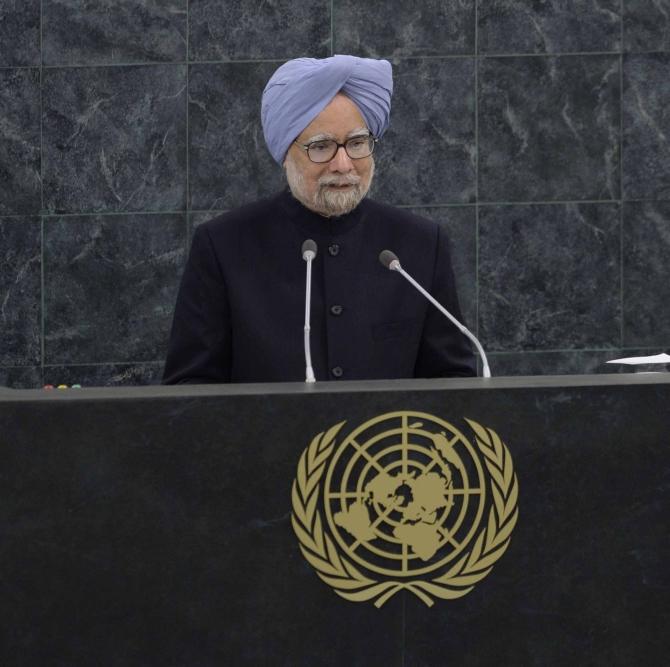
x,y
302,88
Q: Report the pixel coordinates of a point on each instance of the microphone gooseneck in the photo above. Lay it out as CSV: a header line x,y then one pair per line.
x,y
390,261
308,254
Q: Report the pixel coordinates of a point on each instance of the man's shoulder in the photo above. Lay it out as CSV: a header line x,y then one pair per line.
x,y
246,217
405,217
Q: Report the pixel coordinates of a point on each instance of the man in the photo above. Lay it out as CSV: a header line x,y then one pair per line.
x,y
240,312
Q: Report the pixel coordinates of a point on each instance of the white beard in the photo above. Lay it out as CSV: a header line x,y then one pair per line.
x,y
325,201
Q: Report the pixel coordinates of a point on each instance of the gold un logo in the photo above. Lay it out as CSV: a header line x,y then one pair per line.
x,y
405,501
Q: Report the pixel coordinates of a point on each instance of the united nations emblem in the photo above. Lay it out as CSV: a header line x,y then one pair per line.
x,y
404,501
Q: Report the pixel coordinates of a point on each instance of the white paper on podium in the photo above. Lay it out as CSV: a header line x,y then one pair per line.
x,y
662,358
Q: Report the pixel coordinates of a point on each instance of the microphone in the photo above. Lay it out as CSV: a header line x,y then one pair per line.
x,y
308,254
392,263
308,250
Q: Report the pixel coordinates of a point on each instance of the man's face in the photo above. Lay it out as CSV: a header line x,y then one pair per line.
x,y
335,187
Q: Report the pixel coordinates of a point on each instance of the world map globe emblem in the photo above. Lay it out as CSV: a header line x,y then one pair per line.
x,y
407,501
404,493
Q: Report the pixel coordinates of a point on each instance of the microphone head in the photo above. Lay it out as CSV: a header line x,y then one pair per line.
x,y
389,260
308,249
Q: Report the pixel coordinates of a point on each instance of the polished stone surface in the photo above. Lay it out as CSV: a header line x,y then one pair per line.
x,y
20,310
646,25
538,288
646,273
460,224
114,139
196,218
136,258
376,29
572,362
427,157
646,126
151,527
239,30
550,26
109,31
114,129
20,135
229,163
19,33
549,128
104,375
593,485
21,377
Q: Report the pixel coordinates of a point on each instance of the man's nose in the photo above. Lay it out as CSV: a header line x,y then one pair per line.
x,y
341,161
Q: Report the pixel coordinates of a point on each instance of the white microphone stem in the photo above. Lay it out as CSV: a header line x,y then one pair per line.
x,y
486,372
309,371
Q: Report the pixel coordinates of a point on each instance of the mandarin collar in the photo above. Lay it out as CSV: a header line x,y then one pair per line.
x,y
314,224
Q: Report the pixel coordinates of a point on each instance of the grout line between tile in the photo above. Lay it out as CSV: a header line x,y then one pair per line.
x,y
156,63
106,363
42,302
460,56
151,362
621,193
81,214
512,203
242,61
416,205
608,350
41,176
332,27
553,54
476,84
188,131
106,214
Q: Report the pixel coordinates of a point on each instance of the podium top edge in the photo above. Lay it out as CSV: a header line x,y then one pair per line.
x,y
335,387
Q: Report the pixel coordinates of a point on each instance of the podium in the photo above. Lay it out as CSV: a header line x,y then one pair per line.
x,y
152,526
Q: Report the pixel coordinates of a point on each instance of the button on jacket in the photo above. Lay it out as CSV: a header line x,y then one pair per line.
x,y
239,315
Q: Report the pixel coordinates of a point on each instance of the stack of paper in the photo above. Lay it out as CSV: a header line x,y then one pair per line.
x,y
643,361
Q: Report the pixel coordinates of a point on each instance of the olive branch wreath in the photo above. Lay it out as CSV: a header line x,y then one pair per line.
x,y
350,583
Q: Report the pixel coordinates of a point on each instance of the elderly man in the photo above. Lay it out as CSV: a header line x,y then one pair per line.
x,y
239,314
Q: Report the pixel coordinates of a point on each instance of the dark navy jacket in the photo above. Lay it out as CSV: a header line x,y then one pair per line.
x,y
240,311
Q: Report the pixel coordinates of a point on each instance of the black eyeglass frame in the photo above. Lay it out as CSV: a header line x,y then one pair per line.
x,y
306,147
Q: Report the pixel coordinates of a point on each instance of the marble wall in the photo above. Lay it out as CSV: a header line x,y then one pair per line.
x,y
537,133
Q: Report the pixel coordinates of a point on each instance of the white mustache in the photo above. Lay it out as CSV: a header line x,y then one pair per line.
x,y
348,179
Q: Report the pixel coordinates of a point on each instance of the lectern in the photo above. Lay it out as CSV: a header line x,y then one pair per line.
x,y
510,521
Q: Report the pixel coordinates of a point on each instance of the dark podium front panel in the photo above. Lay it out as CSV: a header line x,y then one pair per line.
x,y
153,526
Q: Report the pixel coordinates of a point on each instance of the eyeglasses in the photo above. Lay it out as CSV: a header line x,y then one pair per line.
x,y
325,150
